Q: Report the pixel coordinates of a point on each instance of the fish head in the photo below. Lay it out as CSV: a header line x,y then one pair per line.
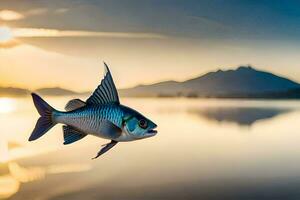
x,y
138,126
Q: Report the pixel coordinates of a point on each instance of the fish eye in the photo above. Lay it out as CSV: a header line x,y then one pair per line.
x,y
143,123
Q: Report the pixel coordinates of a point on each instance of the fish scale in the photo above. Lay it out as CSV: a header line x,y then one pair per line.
x,y
90,119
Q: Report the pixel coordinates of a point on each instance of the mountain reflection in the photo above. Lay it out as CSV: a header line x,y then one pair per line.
x,y
243,116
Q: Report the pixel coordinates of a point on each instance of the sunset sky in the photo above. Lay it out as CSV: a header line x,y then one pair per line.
x,y
64,42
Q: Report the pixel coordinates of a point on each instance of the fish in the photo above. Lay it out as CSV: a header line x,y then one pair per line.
x,y
101,115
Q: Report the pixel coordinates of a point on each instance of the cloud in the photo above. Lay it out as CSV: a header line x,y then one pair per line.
x,y
39,32
207,22
10,15
61,10
9,44
37,11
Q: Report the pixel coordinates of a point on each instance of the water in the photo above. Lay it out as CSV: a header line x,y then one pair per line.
x,y
205,149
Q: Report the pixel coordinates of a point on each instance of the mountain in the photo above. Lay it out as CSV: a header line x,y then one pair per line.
x,y
55,91
20,92
245,81
13,92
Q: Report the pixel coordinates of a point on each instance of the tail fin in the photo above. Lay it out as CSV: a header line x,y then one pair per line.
x,y
45,122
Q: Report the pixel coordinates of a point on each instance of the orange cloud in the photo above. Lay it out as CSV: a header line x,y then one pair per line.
x,y
39,32
10,15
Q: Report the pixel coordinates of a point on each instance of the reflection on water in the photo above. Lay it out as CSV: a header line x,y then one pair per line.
x,y
8,184
7,105
240,115
192,157
5,148
12,175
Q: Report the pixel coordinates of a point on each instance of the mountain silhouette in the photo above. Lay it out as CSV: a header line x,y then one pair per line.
x,y
55,91
20,92
13,92
245,81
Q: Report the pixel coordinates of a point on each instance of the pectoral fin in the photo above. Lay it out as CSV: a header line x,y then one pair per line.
x,y
106,148
110,130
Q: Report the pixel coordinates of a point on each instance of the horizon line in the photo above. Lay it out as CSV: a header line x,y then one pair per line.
x,y
152,83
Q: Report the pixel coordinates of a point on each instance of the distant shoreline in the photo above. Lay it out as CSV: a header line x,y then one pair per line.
x,y
164,97
245,82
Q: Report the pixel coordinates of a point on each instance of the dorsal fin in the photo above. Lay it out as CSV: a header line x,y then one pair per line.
x,y
106,92
74,104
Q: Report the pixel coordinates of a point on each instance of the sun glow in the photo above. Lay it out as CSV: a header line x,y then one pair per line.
x,y
6,105
5,34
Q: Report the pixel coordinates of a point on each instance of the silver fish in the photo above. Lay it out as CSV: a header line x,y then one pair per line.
x,y
100,115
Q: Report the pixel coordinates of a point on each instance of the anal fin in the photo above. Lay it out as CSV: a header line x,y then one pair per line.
x,y
72,135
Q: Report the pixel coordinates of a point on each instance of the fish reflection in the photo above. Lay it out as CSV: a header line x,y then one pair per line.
x,y
243,116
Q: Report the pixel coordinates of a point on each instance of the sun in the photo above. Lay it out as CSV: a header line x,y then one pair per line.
x,y
5,34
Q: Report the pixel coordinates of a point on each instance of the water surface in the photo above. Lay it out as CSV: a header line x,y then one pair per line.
x,y
205,149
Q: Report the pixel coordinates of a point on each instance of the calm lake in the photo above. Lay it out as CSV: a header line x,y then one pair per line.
x,y
204,149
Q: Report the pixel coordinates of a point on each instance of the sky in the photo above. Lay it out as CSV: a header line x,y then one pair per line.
x,y
64,42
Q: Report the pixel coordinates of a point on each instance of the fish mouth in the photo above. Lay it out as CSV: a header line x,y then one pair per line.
x,y
152,132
